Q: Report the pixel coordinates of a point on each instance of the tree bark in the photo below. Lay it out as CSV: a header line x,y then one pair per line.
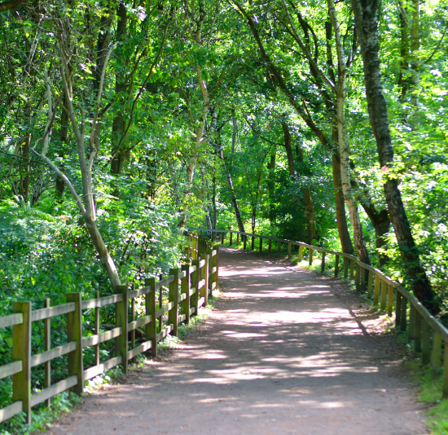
x,y
309,206
381,223
344,150
86,204
366,18
64,142
271,186
118,124
344,235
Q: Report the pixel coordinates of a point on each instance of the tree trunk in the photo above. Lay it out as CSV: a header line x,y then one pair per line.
x,y
64,142
350,200
344,150
25,179
366,17
215,211
381,223
344,235
86,204
232,192
118,124
309,206
234,134
271,186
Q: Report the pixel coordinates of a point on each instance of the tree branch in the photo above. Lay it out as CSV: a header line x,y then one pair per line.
x,y
11,4
64,178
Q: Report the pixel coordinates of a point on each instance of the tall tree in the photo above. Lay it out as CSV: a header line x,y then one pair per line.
x,y
366,16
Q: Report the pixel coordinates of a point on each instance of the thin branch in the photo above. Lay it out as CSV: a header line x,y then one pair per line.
x,y
11,4
437,46
305,50
64,178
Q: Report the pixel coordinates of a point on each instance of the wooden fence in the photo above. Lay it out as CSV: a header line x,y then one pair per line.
x,y
429,336
189,289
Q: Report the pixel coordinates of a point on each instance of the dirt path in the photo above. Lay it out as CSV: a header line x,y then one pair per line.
x,y
281,354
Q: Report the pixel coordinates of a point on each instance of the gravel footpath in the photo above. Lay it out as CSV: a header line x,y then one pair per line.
x,y
284,352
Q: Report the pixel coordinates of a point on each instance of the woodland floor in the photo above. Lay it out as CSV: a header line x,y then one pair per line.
x,y
285,351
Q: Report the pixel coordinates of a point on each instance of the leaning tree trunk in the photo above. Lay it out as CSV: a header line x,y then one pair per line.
x,y
366,18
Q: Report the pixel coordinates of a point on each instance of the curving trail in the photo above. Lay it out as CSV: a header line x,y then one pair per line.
x,y
281,354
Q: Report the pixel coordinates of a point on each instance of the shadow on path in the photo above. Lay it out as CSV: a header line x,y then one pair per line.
x,y
280,355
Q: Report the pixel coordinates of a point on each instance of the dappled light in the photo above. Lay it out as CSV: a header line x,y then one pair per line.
x,y
281,354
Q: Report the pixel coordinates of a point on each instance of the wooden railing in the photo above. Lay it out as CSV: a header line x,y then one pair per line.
x,y
189,289
426,332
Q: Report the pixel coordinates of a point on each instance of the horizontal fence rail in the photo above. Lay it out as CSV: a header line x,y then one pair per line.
x,y
429,336
188,288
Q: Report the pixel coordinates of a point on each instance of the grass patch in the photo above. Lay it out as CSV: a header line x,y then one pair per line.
x,y
429,392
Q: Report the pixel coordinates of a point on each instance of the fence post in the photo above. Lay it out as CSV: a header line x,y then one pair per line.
x,y
151,309
445,372
398,312
195,278
357,278
363,279
245,242
300,253
336,266
252,246
237,239
418,332
216,278
230,243
289,250
185,289
311,257
47,342
210,270
97,330
370,284
173,314
346,263
261,244
411,333
21,351
204,275
269,246
133,318
436,354
390,299
278,248
74,333
322,267
376,295
352,269
222,238
403,323
426,339
383,294
122,313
